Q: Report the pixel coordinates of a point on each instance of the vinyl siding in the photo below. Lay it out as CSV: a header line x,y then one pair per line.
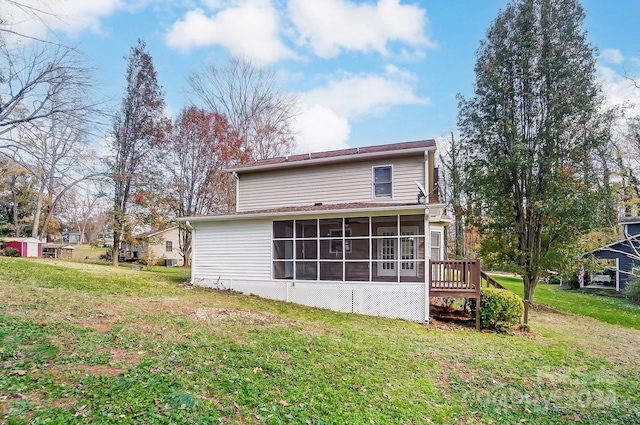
x,y
328,184
232,250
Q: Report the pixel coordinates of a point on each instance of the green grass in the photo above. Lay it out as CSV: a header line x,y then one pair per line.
x,y
93,344
614,310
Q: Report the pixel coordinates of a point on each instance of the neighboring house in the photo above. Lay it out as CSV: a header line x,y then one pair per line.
x,y
346,230
26,247
623,254
160,245
74,237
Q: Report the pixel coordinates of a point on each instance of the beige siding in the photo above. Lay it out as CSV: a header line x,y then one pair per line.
x,y
156,246
232,250
329,184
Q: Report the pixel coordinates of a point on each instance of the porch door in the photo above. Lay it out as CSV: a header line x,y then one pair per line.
x,y
388,252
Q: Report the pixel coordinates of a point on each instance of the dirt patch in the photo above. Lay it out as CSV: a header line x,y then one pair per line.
x,y
223,314
444,318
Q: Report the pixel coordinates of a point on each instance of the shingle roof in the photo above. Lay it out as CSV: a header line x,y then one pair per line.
x,y
338,154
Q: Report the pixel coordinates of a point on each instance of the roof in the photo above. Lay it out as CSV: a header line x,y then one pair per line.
x,y
56,246
368,152
153,232
356,207
29,240
630,220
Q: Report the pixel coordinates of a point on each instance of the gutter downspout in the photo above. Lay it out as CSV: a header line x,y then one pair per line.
x,y
237,178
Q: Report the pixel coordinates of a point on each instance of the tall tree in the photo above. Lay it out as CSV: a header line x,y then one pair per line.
x,y
532,135
138,129
452,177
250,98
199,149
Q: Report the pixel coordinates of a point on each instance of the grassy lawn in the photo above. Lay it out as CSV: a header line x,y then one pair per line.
x,y
85,343
617,311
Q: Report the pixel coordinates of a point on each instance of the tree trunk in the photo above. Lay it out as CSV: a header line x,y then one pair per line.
x,y
14,195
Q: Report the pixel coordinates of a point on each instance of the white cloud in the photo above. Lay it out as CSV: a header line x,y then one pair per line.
x,y
617,89
611,56
354,96
329,26
320,129
249,30
35,18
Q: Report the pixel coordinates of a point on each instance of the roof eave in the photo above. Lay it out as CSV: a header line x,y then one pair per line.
x,y
337,159
326,212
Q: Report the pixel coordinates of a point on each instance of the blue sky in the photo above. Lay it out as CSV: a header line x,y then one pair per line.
x,y
366,72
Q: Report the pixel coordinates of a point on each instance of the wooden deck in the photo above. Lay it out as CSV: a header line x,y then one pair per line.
x,y
456,279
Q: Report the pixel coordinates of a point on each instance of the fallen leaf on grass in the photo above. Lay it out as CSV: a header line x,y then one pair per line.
x,y
283,403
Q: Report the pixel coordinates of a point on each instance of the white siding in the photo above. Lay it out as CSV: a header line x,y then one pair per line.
x,y
329,184
232,250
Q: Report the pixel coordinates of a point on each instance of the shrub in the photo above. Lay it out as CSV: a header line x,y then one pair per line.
x,y
11,252
632,290
500,309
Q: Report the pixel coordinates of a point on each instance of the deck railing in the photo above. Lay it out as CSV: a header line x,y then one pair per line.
x,y
456,279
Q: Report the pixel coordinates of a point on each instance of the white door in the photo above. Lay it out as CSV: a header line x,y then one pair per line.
x,y
388,254
32,249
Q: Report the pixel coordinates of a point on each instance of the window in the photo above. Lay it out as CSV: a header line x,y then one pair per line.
x,y
436,245
382,182
168,246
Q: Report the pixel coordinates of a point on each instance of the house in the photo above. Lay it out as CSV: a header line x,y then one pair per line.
x,y
622,255
26,247
351,230
162,246
74,237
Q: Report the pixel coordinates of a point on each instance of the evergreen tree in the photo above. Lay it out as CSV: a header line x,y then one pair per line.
x,y
533,135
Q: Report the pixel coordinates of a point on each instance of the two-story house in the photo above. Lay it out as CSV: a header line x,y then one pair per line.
x,y
349,230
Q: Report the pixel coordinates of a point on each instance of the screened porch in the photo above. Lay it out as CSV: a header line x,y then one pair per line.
x,y
354,249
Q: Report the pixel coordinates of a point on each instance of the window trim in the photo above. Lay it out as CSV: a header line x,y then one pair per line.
x,y
373,182
168,246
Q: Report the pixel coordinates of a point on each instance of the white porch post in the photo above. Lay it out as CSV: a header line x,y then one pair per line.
x,y
427,250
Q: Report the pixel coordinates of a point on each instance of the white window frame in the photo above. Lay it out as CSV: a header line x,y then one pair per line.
x,y
406,232
373,182
432,233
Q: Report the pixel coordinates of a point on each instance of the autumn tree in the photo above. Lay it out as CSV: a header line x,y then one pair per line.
x,y
252,102
200,148
138,129
532,135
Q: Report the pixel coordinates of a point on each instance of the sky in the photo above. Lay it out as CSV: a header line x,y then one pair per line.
x,y
365,72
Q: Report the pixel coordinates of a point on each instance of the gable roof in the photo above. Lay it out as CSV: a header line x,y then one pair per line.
x,y
342,155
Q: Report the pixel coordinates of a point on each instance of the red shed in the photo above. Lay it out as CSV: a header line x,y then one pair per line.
x,y
26,247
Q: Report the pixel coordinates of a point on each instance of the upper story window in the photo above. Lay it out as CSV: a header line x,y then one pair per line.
x,y
168,245
383,182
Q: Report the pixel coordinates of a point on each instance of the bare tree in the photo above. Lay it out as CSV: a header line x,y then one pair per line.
x,y
250,98
82,206
41,81
56,153
453,192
